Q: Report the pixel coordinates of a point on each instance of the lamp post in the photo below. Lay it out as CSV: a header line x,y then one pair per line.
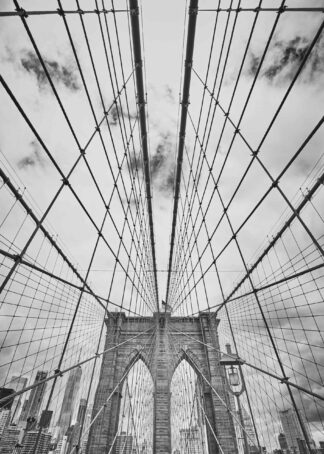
x,y
236,386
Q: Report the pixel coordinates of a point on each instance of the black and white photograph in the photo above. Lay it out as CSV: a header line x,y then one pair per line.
x,y
161,227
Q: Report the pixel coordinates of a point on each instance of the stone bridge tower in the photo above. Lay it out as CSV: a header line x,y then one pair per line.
x,y
161,358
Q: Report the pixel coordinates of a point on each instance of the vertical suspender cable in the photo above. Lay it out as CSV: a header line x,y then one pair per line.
x,y
193,11
134,16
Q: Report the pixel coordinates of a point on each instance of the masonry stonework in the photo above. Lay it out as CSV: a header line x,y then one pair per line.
x,y
162,342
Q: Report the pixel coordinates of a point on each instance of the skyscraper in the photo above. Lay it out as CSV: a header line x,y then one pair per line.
x,y
70,437
5,408
293,431
124,443
70,394
74,439
82,410
143,449
6,392
190,440
87,422
4,420
23,414
43,446
17,383
283,442
249,428
32,407
9,439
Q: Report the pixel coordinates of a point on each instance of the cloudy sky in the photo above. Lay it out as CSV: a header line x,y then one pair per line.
x,y
163,44
105,177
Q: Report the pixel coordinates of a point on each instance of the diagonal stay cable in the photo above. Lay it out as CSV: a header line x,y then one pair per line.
x,y
238,132
65,182
296,212
210,168
117,98
204,146
62,372
120,110
255,153
42,270
246,363
49,237
267,325
273,186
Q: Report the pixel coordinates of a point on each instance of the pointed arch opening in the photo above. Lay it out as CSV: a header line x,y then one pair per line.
x,y
188,426
135,425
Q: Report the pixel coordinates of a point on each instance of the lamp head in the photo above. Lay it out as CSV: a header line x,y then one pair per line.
x,y
233,377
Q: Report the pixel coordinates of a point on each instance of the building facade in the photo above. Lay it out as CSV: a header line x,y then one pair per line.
x,y
293,432
17,384
86,425
69,398
283,442
29,440
4,420
190,441
249,428
9,439
33,405
124,444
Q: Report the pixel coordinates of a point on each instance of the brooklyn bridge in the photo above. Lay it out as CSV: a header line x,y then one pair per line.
x,y
161,227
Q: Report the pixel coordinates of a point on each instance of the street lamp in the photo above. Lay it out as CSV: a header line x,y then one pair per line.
x,y
233,377
235,384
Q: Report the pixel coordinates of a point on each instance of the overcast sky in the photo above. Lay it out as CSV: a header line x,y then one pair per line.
x,y
163,38
164,34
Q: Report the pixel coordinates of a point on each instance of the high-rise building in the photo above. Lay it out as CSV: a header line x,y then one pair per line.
x,y
29,440
283,442
124,444
23,414
302,447
86,425
190,440
70,438
70,394
249,428
82,410
75,435
10,437
4,419
6,392
143,449
293,431
321,448
32,407
59,446
17,383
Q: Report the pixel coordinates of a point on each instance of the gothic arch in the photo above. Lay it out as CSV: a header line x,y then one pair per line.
x,y
186,401
192,359
134,356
